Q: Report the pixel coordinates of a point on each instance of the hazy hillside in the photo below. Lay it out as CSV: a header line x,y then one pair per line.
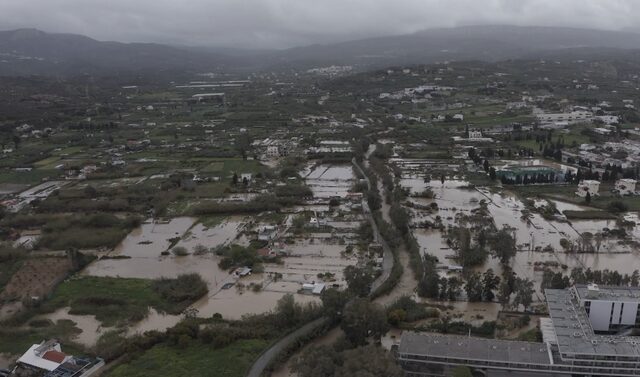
x,y
29,51
489,43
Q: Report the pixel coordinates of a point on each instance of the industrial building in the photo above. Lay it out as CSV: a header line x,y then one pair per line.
x,y
587,334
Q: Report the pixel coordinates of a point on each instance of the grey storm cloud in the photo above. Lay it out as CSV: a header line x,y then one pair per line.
x,y
287,23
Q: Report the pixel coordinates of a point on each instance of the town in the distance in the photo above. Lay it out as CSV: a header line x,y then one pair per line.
x,y
450,218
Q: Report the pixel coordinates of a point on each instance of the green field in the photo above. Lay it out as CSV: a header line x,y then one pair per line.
x,y
28,177
111,300
196,359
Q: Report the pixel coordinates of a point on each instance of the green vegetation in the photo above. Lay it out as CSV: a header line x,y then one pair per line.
x,y
81,232
118,300
194,359
589,215
15,341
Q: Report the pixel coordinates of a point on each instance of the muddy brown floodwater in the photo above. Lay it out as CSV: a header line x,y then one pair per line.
x,y
327,181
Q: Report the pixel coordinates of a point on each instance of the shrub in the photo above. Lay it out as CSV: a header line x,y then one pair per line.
x,y
179,251
187,287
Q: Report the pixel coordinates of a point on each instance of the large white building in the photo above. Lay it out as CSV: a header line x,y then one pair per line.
x,y
572,117
609,309
588,186
626,186
586,335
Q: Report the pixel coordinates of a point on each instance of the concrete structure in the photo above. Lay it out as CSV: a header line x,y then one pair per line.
x,y
267,233
609,309
626,186
588,186
273,151
572,117
584,336
475,134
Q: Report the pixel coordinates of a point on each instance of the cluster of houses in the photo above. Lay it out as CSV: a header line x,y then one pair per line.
x,y
623,187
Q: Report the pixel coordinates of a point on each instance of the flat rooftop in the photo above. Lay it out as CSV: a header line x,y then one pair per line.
x,y
574,332
473,348
607,293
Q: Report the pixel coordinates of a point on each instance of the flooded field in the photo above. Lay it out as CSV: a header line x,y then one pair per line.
x,y
91,329
538,239
219,235
232,304
327,181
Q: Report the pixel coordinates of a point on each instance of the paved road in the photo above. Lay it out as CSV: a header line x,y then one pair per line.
x,y
387,254
270,354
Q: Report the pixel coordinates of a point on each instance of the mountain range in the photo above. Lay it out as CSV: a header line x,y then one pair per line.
x,y
34,52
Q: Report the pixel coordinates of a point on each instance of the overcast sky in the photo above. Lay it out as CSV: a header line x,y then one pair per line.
x,y
288,23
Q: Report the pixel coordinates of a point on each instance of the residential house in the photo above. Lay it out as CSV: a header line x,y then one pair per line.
x,y
626,186
588,186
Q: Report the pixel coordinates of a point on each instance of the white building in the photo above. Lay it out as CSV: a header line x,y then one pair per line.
x,y
626,186
588,186
459,117
608,119
273,151
609,308
475,134
572,117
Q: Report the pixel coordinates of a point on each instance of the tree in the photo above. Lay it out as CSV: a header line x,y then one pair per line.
x,y
363,319
369,361
318,361
453,288
326,361
504,246
492,173
359,280
524,292
489,283
90,191
333,302
285,311
474,287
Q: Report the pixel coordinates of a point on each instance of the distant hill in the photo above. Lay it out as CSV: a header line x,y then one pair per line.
x,y
30,51
489,43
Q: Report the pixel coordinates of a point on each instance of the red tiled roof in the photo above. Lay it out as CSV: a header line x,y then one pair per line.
x,y
55,356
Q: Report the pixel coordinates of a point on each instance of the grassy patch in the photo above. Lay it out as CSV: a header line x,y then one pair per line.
x,y
589,215
194,360
211,221
47,163
85,232
28,177
114,300
15,341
